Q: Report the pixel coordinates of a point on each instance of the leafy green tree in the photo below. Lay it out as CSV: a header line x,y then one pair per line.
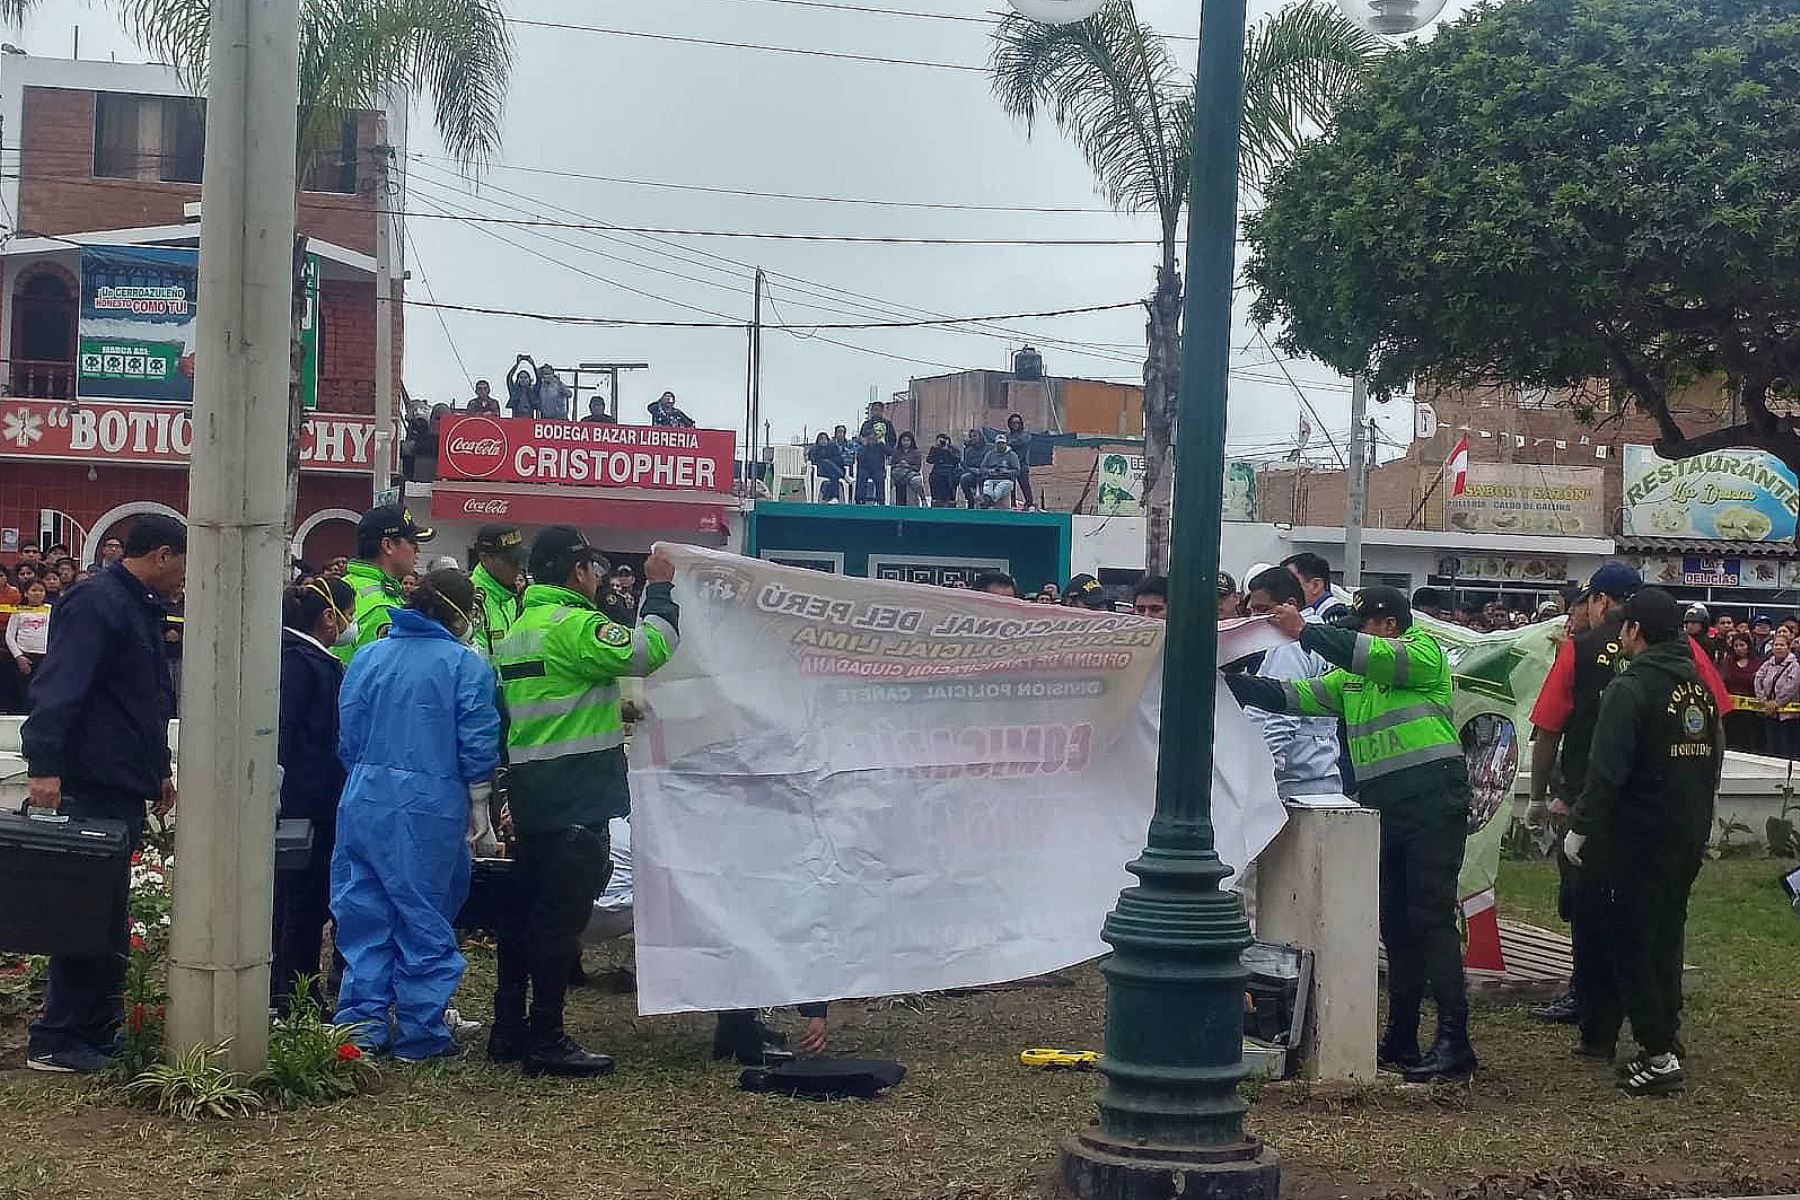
x,y
1112,86
1558,191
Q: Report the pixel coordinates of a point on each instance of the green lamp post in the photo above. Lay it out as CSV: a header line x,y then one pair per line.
x,y
1171,1121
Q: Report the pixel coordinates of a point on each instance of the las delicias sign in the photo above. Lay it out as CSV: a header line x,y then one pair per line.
x,y
160,435
521,450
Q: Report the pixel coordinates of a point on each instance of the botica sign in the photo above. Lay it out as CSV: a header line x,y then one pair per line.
x,y
159,435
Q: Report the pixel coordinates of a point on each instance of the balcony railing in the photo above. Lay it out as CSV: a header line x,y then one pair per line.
x,y
42,380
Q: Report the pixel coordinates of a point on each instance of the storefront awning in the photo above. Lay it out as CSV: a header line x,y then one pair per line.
x,y
1706,547
523,504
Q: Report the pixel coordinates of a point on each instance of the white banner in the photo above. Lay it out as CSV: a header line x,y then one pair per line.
x,y
850,787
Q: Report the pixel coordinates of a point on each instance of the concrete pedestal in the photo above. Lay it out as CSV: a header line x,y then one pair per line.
x,y
1316,888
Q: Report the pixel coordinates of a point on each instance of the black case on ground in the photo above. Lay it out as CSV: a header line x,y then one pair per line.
x,y
825,1078
61,885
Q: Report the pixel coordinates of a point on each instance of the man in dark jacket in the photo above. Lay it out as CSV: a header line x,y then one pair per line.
x,y
97,746
1020,441
1640,824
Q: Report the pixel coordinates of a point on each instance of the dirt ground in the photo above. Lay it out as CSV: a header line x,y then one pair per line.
x,y
969,1123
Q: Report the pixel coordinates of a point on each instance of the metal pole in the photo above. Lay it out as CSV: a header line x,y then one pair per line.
x,y
381,465
1171,1120
1357,498
756,376
219,945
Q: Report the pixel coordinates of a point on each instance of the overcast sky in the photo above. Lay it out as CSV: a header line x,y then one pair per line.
x,y
596,104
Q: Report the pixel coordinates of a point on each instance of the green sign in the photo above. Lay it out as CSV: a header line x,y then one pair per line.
x,y
309,334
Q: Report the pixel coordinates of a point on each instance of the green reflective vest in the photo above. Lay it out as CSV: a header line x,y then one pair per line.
x,y
1393,694
565,740
376,592
495,612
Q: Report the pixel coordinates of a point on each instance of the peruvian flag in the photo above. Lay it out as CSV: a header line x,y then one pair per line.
x,y
1458,466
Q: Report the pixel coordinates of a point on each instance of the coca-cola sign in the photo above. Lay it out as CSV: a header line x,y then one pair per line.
x,y
585,454
474,447
488,506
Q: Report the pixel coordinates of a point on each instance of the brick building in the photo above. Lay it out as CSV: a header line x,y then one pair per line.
x,y
1588,428
1092,408
108,155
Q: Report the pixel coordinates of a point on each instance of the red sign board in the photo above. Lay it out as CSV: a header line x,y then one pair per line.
x,y
159,434
582,454
563,506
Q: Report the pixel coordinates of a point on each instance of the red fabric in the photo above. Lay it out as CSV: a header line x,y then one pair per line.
x,y
1709,675
1556,701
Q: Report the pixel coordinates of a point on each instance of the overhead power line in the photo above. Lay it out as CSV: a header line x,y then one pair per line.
x,y
861,201
765,235
787,326
757,46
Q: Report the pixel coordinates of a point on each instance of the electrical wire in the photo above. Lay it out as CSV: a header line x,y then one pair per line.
x,y
765,235
797,51
782,327
925,205
442,323
741,272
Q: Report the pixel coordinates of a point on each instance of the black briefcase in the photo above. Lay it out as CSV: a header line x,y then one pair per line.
x,y
293,844
62,883
490,896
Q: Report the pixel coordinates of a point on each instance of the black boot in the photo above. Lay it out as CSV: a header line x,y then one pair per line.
x,y
507,1038
1451,1058
1398,1049
561,1056
745,1040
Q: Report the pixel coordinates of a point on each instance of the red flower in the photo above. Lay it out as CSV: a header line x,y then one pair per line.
x,y
348,1052
137,856
135,1022
137,942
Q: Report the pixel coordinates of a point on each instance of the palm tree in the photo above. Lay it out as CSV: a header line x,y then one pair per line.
x,y
354,54
1110,84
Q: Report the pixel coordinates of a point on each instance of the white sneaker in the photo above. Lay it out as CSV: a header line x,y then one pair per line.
x,y
458,1024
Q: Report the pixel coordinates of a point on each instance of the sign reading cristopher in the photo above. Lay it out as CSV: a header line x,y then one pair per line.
x,y
1727,495
521,450
137,326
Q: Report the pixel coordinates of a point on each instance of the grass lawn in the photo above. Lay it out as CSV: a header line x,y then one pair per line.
x,y
969,1123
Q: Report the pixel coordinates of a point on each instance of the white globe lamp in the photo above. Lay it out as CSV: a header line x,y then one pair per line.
x,y
1392,18
1061,12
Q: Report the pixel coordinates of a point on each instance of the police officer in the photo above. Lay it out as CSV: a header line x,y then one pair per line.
x,y
387,547
499,554
1640,825
1564,716
1392,688
565,745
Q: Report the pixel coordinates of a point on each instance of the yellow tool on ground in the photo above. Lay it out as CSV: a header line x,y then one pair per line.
x,y
1046,1059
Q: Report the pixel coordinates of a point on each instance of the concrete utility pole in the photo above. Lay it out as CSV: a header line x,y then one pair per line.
x,y
1357,498
387,421
225,845
756,374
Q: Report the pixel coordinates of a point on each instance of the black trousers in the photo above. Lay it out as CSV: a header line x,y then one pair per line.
x,y
302,908
1420,861
555,878
84,998
1636,971
943,489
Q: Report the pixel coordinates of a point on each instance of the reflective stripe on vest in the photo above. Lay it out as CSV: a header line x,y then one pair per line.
x,y
552,713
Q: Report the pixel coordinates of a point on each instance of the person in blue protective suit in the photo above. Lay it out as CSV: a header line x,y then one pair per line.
x,y
419,734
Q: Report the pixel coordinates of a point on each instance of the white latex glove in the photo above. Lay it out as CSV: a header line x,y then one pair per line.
x,y
1572,844
482,842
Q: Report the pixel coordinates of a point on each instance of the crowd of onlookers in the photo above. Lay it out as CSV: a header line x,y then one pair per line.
x,y
31,588
886,466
